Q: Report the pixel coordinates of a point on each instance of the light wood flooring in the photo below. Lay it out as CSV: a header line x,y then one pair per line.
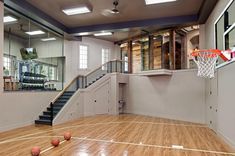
x,y
124,135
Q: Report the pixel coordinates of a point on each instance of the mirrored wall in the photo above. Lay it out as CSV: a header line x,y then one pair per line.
x,y
33,55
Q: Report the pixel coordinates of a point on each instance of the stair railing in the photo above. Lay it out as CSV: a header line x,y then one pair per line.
x,y
80,81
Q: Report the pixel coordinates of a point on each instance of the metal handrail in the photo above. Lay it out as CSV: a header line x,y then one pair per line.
x,y
56,98
61,92
103,65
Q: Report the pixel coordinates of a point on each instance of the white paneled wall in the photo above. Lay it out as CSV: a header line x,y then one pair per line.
x,y
180,96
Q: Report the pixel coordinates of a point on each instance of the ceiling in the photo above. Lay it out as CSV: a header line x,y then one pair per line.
x,y
129,10
135,18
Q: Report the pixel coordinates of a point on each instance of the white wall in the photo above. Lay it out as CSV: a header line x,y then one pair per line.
x,y
22,108
71,51
223,86
180,96
226,106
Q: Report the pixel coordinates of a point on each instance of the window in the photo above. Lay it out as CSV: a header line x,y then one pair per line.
x,y
105,57
52,73
83,59
8,65
126,64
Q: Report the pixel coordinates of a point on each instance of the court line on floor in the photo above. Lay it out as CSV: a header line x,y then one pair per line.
x,y
52,147
156,146
124,143
29,138
105,123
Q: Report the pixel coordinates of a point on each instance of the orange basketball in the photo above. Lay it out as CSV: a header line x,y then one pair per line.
x,y
35,151
67,136
55,142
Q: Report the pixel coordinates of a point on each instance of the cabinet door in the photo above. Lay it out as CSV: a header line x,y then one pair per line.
x,y
102,100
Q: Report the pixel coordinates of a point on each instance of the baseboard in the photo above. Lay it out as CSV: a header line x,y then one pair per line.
x,y
162,116
14,126
226,139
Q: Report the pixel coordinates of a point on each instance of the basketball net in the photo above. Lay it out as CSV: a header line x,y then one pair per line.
x,y
206,62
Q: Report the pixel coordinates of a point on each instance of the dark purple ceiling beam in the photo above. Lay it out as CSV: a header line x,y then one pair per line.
x,y
166,21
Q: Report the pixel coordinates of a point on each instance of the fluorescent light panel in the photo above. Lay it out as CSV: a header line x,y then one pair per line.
x,y
48,39
103,34
149,2
8,19
78,10
36,32
83,33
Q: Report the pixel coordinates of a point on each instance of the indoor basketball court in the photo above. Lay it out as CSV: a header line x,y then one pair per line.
x,y
102,78
112,135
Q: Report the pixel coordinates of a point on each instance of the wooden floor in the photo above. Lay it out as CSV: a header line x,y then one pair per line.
x,y
124,135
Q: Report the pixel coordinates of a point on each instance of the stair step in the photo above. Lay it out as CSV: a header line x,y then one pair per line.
x,y
59,104
49,113
64,97
43,122
44,117
62,100
54,109
69,91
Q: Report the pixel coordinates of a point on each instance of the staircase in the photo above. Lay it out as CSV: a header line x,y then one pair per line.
x,y
80,82
46,117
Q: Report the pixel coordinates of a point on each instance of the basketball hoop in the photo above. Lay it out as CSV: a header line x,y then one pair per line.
x,y
206,61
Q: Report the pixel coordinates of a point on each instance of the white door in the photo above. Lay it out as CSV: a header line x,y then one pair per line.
x,y
212,104
102,100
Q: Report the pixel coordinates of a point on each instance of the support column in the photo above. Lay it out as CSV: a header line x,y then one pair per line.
x,y
172,49
129,54
1,44
151,48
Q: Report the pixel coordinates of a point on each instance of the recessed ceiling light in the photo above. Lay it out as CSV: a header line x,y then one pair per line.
x,y
83,33
81,9
149,2
48,39
36,32
8,19
103,34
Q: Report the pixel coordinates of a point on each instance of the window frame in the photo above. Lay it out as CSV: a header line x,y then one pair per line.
x,y
217,20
